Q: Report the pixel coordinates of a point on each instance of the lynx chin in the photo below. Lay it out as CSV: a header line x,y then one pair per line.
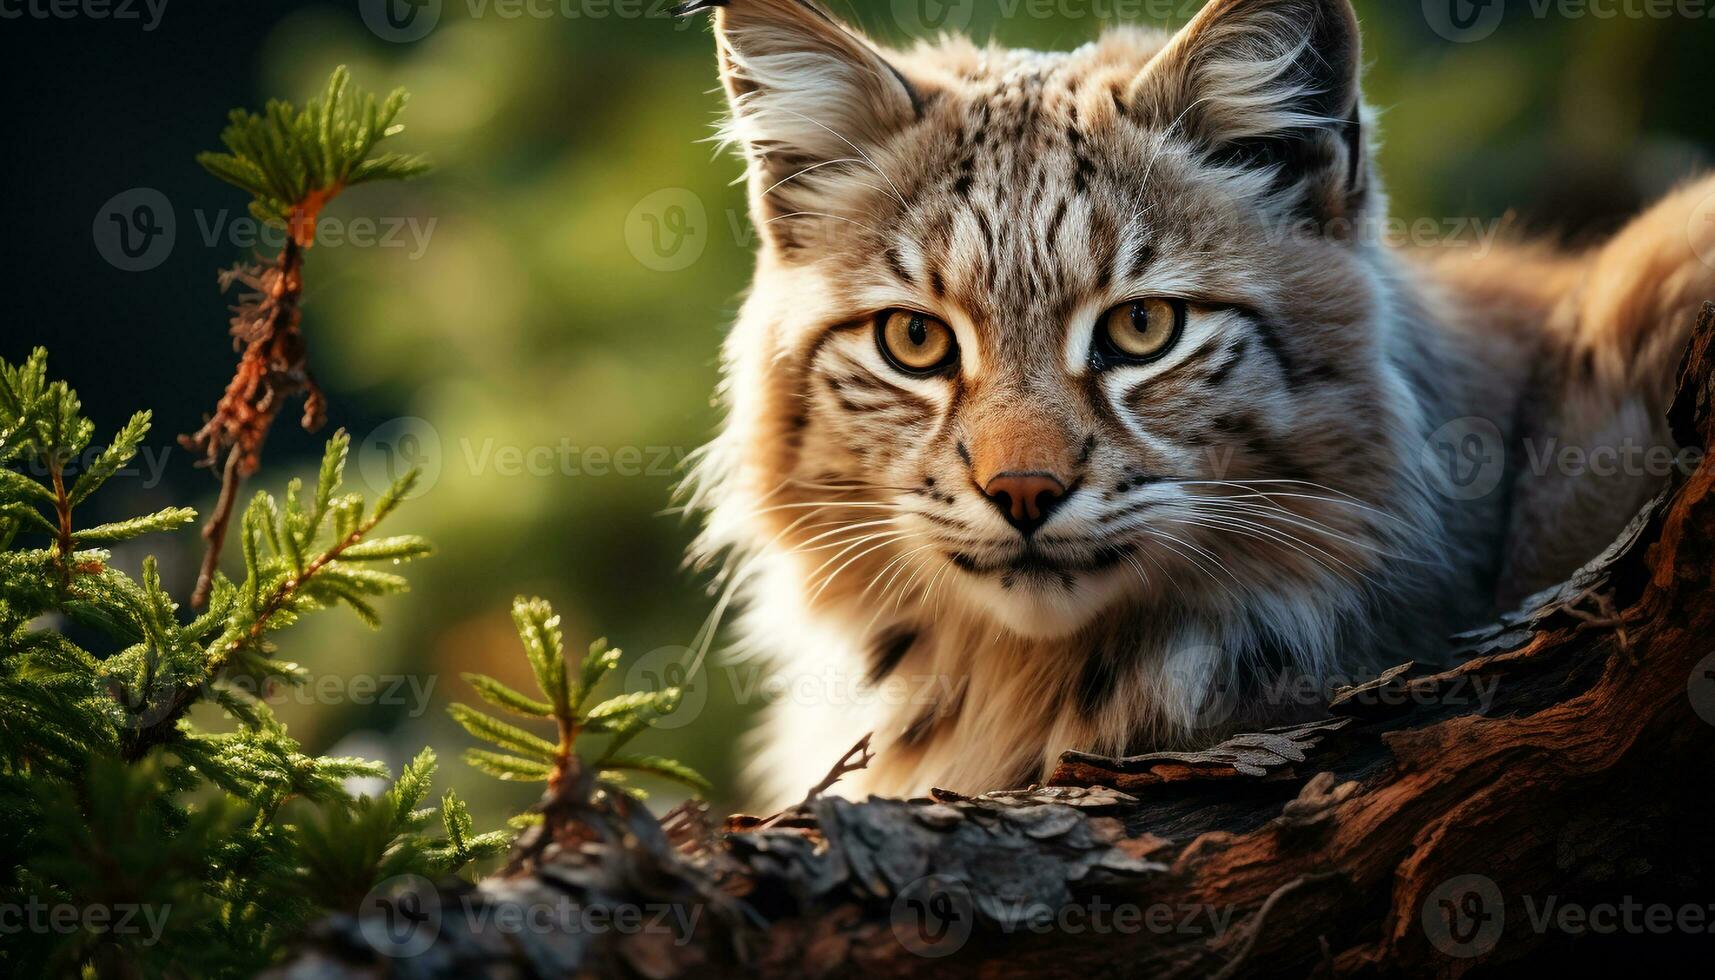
x,y
1075,405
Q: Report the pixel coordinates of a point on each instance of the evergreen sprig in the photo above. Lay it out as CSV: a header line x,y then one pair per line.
x,y
41,424
526,756
344,851
298,159
110,798
293,162
301,554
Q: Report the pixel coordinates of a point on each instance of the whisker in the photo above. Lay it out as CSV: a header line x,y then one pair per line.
x,y
1253,530
1159,567
853,486
842,528
848,544
1171,542
1328,495
828,505
822,214
898,564
1340,497
829,580
1228,506
817,166
898,560
705,637
858,149
916,573
1142,576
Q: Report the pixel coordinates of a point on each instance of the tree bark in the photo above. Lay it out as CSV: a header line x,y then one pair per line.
x,y
1439,822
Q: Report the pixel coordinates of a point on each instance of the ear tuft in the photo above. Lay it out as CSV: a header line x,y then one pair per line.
x,y
810,99
1269,84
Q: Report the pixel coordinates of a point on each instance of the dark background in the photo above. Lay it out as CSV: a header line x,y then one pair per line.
x,y
538,313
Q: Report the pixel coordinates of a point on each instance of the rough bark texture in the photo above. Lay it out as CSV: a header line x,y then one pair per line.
x,y
1422,830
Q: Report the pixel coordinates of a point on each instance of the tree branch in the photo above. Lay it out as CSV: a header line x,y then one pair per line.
x,y
273,368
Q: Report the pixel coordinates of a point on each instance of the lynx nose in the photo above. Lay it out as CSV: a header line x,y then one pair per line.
x,y
1025,499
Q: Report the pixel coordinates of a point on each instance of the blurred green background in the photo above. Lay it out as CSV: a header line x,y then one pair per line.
x,y
538,323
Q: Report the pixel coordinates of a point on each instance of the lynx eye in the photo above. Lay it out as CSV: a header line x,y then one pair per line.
x,y
1139,331
915,343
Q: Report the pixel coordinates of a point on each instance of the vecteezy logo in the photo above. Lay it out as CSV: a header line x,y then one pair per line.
x,y
401,917
392,450
1464,21
1701,689
667,667
400,21
668,230
134,230
922,18
1196,674
1464,918
1466,458
151,703
934,916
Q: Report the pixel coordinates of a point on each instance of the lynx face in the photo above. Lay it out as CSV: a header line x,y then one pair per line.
x,y
1074,385
1043,335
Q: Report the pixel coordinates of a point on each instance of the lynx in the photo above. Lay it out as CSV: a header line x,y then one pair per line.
x,y
1076,403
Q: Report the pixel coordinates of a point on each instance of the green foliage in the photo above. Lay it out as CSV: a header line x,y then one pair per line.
x,y
344,851
215,845
139,776
218,845
528,757
288,156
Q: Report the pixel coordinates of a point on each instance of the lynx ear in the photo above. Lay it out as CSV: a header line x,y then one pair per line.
x,y
1269,84
809,99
